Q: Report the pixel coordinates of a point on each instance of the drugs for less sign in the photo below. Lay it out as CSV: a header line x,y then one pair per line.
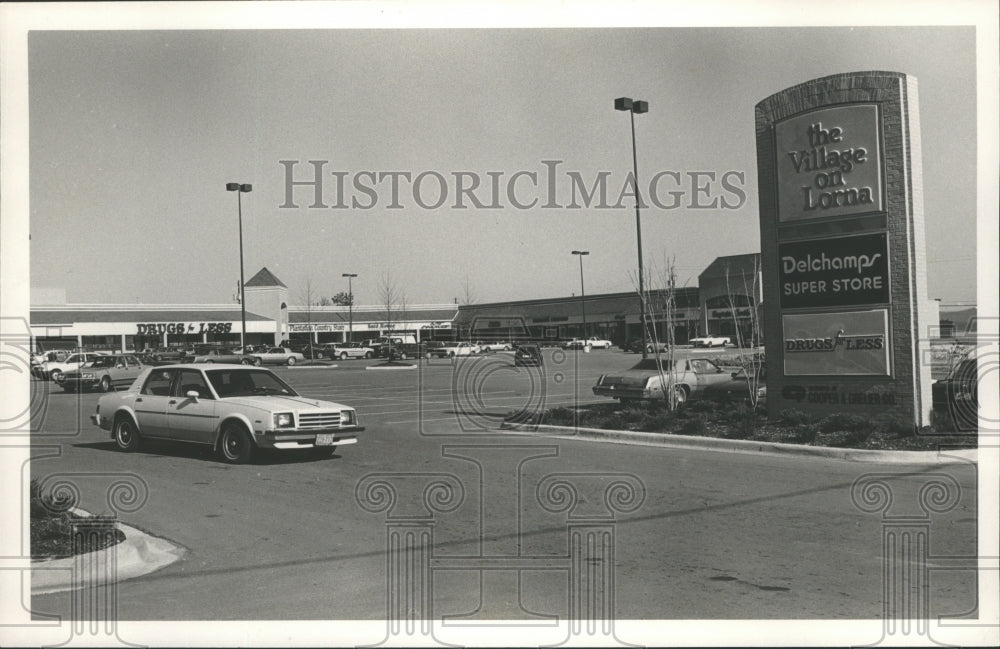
x,y
828,163
834,272
836,344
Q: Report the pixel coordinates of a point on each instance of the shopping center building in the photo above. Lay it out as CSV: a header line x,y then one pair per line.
x,y
725,302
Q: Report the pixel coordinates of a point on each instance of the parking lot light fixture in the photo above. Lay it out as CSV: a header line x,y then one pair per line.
x,y
241,189
634,106
350,305
583,296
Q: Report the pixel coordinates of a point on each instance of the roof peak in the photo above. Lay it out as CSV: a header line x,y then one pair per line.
x,y
264,277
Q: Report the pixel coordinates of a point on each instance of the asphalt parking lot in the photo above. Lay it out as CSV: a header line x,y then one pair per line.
x,y
706,535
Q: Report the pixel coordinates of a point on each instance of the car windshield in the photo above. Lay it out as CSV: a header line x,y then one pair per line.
x,y
248,382
105,361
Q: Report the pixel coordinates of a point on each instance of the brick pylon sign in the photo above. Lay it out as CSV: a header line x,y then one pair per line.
x,y
846,316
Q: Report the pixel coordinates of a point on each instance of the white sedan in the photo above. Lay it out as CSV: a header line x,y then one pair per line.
x,y
711,341
594,342
276,356
232,408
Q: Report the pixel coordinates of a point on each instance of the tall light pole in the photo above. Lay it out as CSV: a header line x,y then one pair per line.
x,y
241,189
350,304
583,296
640,107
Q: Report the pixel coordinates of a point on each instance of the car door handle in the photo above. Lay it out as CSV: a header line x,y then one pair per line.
x,y
138,400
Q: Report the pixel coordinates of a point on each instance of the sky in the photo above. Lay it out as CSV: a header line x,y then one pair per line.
x,y
134,134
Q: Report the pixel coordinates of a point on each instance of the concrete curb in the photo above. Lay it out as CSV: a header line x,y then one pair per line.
x,y
745,446
139,554
311,367
391,367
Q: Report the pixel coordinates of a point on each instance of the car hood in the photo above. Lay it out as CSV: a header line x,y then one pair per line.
x,y
277,402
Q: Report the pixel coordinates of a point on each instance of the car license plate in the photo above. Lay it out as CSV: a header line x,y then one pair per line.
x,y
324,439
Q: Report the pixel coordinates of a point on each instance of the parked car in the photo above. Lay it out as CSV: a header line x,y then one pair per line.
x,y
493,346
635,346
55,370
233,408
218,355
343,351
690,378
106,373
593,341
711,341
737,389
527,355
276,356
958,393
39,360
453,349
172,354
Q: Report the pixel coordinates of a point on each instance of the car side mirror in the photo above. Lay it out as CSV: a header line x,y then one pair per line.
x,y
192,394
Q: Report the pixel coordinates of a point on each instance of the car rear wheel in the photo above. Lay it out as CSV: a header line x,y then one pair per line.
x,y
343,356
368,354
106,384
258,362
235,446
56,376
245,361
680,394
126,434
402,356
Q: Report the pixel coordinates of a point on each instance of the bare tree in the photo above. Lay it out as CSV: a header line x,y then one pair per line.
x,y
468,295
390,297
752,362
307,296
661,305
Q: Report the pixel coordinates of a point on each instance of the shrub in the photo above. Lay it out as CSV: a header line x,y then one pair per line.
x,y
699,406
857,437
894,424
795,418
695,425
845,422
742,422
806,434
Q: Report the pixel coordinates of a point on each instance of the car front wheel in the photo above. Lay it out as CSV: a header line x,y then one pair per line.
x,y
680,394
258,362
235,446
56,376
126,434
245,361
291,360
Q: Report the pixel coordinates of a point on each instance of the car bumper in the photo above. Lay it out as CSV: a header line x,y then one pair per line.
x,y
293,439
620,392
101,422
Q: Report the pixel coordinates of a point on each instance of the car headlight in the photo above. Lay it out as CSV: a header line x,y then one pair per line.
x,y
284,420
87,376
348,418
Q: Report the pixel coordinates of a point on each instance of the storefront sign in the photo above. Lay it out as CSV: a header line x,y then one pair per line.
x,y
151,329
300,328
834,272
836,344
829,163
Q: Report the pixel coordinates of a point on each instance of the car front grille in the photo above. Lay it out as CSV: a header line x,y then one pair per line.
x,y
319,420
